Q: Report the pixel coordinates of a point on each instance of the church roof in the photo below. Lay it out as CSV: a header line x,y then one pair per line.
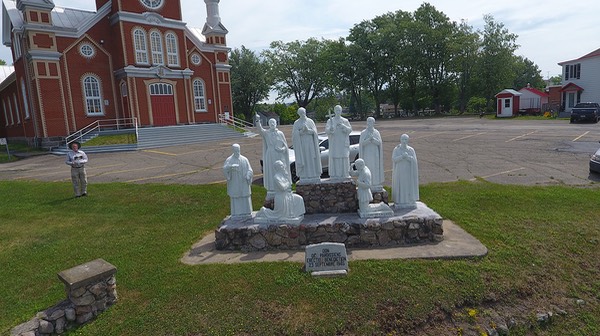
x,y
196,33
5,72
69,21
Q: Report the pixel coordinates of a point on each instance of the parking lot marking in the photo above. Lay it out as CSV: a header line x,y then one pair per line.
x,y
581,136
168,175
520,136
469,136
500,173
428,135
117,172
159,152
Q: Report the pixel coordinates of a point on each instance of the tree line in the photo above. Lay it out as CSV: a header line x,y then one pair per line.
x,y
415,61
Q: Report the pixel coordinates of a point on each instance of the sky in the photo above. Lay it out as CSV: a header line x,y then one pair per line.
x,y
548,31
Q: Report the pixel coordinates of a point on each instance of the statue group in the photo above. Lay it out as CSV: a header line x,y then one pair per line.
x,y
368,170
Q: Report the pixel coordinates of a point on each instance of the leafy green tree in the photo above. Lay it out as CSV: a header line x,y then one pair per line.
x,y
403,76
527,73
373,55
250,83
494,69
287,113
436,35
476,104
299,68
348,75
2,62
556,80
465,51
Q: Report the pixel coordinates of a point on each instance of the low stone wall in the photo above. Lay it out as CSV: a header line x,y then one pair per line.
x,y
329,196
407,227
90,288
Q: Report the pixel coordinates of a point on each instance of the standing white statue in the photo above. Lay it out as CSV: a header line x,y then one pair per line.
x,y
238,173
405,178
371,151
288,207
338,130
365,195
306,148
275,148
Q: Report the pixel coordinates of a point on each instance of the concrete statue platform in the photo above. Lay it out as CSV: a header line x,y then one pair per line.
x,y
408,226
457,244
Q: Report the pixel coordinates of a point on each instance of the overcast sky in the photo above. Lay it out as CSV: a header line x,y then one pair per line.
x,y
549,31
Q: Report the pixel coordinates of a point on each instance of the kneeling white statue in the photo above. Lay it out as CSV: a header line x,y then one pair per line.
x,y
365,196
288,207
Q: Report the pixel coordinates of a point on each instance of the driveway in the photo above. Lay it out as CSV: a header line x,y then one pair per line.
x,y
512,151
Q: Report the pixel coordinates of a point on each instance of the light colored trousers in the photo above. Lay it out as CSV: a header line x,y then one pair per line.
x,y
79,179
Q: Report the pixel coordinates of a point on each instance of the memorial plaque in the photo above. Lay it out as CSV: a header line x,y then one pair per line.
x,y
326,259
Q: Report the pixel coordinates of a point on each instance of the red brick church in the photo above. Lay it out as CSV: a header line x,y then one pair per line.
x,y
128,59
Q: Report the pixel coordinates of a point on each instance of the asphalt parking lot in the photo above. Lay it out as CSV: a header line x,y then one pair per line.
x,y
512,151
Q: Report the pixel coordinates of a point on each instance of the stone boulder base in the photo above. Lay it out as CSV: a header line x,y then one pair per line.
x,y
420,225
329,196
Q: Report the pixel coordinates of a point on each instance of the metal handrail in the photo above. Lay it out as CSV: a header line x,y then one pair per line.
x,y
99,125
228,119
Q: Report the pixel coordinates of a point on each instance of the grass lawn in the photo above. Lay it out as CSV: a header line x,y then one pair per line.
x,y
12,148
114,139
544,252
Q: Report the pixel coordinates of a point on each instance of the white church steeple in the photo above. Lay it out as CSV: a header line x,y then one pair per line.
x,y
213,23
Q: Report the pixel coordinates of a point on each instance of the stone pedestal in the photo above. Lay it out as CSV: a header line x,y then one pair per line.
x,y
90,288
329,196
420,225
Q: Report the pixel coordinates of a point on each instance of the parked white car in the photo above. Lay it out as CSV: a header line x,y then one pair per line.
x,y
595,162
324,147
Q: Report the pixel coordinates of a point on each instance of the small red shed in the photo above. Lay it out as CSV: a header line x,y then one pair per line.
x,y
508,103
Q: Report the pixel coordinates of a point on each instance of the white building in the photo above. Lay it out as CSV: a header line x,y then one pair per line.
x,y
581,80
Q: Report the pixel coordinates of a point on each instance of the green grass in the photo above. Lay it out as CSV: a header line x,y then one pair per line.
x,y
115,139
15,148
543,247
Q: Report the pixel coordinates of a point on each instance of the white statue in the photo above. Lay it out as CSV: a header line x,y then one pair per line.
x,y
306,147
365,195
288,207
371,151
405,178
275,148
238,173
338,129
363,183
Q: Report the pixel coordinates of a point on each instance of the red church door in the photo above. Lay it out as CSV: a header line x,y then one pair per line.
x,y
163,104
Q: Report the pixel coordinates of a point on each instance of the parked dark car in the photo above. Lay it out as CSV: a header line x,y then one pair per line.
x,y
595,162
585,112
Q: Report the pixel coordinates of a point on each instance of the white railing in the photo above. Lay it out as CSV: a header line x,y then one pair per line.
x,y
228,119
100,125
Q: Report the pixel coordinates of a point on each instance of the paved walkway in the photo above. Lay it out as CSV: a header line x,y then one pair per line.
x,y
457,243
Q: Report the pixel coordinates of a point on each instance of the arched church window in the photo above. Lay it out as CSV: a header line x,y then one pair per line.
x,y
172,52
139,43
93,96
199,96
157,49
